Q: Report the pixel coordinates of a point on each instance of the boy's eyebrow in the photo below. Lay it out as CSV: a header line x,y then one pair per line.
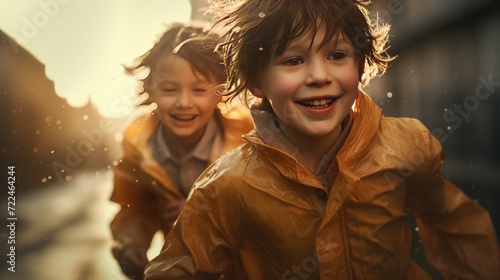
x,y
204,83
305,44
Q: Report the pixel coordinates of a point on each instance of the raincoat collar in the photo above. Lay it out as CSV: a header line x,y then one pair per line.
x,y
367,117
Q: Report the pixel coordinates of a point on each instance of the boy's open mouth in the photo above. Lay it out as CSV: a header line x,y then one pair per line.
x,y
184,118
318,103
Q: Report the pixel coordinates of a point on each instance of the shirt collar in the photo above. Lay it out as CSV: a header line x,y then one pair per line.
x,y
201,151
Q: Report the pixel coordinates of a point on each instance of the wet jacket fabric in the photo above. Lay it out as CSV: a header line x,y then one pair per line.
x,y
258,214
142,187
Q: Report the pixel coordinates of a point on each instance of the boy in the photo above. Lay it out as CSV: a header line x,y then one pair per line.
x,y
166,151
320,189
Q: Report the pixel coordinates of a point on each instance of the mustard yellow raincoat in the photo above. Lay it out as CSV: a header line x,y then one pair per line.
x,y
258,214
142,187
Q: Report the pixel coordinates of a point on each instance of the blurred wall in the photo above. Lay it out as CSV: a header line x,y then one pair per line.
x,y
447,74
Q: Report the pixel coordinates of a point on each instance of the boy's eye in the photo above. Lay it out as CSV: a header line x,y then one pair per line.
x,y
337,56
199,89
168,89
293,61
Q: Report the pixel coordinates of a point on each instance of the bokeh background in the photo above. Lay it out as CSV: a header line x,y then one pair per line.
x,y
64,103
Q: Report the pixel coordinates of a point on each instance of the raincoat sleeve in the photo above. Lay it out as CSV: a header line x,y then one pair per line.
x,y
202,241
137,221
457,233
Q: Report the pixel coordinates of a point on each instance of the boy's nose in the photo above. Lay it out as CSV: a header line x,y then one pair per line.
x,y
318,74
184,100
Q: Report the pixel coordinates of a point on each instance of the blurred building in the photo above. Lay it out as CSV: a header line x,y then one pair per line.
x,y
46,140
447,74
50,144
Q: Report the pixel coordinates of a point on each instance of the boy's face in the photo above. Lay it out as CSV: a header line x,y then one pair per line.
x,y
311,90
186,101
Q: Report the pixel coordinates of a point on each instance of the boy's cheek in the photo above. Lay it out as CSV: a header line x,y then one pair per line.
x,y
285,86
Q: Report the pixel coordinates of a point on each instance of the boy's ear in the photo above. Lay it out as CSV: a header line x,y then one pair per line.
x,y
257,91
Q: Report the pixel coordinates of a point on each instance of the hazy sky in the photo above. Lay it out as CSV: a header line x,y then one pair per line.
x,y
83,42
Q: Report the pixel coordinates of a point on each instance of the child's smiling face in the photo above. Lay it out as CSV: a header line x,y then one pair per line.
x,y
311,89
186,100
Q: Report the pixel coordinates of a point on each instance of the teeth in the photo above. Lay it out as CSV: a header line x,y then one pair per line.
x,y
183,117
318,103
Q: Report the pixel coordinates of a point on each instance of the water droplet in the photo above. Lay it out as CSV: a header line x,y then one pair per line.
x,y
236,29
118,137
85,117
448,127
44,180
417,229
35,150
69,178
261,48
52,151
262,14
389,94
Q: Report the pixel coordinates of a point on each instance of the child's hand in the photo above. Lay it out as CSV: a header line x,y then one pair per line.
x,y
134,261
172,210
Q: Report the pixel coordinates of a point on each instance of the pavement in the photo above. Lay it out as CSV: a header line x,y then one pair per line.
x,y
62,232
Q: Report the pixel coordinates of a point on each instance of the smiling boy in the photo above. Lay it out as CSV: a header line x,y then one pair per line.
x,y
164,152
311,195
311,89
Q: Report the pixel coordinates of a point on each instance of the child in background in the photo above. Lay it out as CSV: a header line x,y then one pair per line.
x,y
164,152
320,189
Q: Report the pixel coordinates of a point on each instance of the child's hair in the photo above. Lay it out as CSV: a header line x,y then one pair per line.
x,y
189,41
256,30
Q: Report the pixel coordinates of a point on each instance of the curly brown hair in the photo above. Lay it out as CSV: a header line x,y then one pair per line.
x,y
192,42
254,31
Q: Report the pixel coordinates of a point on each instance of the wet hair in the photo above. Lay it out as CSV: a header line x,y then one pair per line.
x,y
254,31
192,42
